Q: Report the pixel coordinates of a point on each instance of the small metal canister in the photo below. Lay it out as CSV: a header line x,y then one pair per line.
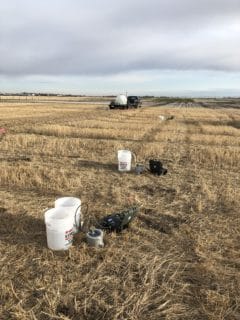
x,y
139,168
95,238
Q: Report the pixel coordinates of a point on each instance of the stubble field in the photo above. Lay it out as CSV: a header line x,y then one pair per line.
x,y
180,257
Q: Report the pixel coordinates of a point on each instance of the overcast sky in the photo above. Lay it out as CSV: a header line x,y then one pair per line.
x,y
175,47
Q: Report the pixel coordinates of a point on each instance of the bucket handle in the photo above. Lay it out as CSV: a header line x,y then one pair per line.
x,y
134,157
75,215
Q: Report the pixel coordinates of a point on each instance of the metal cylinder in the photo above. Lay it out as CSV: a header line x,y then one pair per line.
x,y
139,168
95,238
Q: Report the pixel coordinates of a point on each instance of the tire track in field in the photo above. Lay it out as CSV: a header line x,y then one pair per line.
x,y
200,278
149,135
196,277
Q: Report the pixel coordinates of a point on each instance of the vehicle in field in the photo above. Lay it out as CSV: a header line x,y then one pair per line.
x,y
124,102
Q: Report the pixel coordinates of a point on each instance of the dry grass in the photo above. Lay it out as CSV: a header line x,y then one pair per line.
x,y
179,259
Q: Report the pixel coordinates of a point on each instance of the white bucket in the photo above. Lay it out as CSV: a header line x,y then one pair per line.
x,y
162,118
59,227
124,160
73,205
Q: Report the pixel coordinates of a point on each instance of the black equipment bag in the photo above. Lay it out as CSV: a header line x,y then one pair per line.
x,y
118,221
156,167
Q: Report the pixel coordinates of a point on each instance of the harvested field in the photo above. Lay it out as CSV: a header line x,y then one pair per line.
x,y
180,257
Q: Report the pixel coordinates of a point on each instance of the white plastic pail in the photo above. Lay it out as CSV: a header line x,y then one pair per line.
x,y
59,227
73,205
124,160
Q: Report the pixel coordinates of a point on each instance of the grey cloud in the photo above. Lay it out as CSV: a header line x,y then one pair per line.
x,y
108,37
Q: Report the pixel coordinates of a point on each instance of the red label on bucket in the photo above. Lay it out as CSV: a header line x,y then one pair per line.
x,y
123,165
69,235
